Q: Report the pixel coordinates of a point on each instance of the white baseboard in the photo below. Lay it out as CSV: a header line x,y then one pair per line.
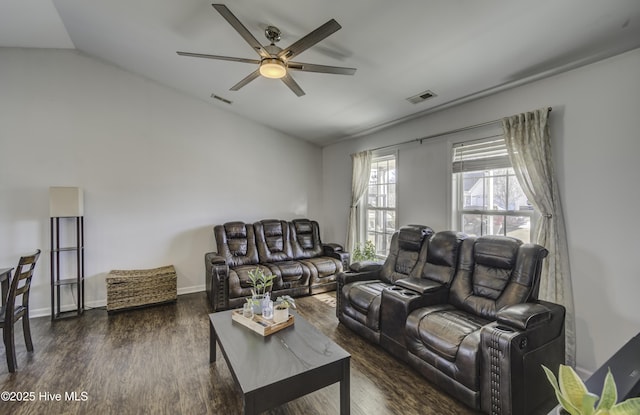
x,y
41,312
191,290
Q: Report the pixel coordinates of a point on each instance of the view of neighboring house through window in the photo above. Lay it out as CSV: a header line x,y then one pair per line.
x,y
488,199
381,200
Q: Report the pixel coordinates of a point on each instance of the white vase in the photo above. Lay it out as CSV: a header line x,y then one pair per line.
x,y
280,315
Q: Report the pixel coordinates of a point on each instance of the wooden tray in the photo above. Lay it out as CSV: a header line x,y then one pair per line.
x,y
259,324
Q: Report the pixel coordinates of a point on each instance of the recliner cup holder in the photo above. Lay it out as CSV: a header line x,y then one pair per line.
x,y
504,328
402,291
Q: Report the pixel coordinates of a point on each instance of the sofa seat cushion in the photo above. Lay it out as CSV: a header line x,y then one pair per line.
x,y
444,331
323,267
448,339
290,273
239,282
363,300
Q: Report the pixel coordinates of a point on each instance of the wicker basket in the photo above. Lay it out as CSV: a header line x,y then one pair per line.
x,y
142,287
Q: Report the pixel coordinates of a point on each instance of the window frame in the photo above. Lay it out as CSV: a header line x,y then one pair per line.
x,y
493,163
364,232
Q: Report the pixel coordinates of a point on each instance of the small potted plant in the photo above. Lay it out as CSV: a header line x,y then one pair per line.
x,y
281,309
261,284
366,253
575,399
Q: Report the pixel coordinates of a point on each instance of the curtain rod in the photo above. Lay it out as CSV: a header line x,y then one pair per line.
x,y
457,130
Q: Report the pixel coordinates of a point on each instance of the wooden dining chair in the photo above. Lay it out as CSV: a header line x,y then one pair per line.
x,y
12,312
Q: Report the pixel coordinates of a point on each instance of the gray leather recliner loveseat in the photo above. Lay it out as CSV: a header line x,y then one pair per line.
x,y
464,312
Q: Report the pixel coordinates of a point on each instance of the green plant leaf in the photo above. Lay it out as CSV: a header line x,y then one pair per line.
x,y
628,407
561,399
356,254
609,393
365,253
571,385
369,251
551,377
588,402
568,406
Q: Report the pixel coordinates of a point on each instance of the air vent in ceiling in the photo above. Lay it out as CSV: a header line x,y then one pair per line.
x,y
219,98
423,96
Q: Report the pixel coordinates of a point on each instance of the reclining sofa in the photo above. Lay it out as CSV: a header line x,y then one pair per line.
x,y
292,251
463,312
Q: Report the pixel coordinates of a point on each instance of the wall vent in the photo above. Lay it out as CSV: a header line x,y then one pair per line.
x,y
423,96
219,98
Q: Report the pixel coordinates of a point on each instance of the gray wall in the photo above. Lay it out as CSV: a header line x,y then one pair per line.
x,y
594,128
158,169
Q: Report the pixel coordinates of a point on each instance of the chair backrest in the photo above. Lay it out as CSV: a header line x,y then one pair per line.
x,y
442,251
20,285
495,272
272,240
236,242
404,253
305,238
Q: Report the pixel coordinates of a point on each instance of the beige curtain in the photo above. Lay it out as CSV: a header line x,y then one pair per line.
x,y
359,182
529,145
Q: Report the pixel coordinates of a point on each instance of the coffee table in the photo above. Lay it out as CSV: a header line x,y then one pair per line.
x,y
283,366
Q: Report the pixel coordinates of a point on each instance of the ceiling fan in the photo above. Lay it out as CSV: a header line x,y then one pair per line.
x,y
275,62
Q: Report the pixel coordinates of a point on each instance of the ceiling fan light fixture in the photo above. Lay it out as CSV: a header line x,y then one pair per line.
x,y
275,62
272,68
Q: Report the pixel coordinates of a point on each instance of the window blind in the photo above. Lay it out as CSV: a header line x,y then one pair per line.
x,y
480,155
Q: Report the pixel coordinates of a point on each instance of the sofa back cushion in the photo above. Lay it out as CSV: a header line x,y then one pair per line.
x,y
272,240
305,238
442,256
495,272
236,243
404,253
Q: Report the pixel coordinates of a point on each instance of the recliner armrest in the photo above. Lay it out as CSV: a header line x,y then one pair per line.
x,y
216,280
420,285
523,316
337,251
513,348
332,247
214,258
366,266
344,278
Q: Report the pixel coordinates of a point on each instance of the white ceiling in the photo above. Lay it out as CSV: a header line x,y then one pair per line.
x,y
459,49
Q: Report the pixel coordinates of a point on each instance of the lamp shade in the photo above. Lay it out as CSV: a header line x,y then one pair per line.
x,y
66,202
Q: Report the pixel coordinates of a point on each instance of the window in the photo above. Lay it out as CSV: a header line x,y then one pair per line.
x,y
380,213
488,199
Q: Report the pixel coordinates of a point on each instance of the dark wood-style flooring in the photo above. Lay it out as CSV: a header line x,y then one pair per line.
x,y
155,361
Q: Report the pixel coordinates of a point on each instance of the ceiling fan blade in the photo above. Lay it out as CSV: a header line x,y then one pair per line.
x,y
222,58
293,85
309,40
253,75
243,31
310,67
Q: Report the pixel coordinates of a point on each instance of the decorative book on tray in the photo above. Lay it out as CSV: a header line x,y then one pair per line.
x,y
259,324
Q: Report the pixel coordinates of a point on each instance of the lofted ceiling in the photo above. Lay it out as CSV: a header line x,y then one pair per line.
x,y
459,50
